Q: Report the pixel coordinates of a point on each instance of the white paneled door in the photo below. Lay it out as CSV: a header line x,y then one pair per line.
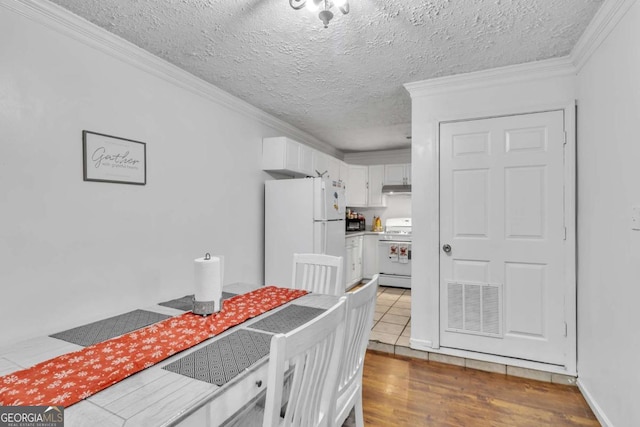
x,y
502,236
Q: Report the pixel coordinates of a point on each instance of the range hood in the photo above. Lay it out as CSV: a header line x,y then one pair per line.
x,y
396,189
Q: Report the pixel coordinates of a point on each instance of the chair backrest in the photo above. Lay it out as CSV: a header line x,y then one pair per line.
x,y
312,354
361,306
318,273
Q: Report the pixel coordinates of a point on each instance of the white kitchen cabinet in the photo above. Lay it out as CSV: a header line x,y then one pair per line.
x,y
326,165
370,256
344,172
397,174
286,156
374,190
364,186
347,276
320,164
357,256
357,185
333,168
306,160
353,260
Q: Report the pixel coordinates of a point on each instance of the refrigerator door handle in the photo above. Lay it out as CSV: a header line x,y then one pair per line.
x,y
325,237
323,189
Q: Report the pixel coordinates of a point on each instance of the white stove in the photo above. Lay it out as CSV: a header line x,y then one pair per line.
x,y
394,253
398,229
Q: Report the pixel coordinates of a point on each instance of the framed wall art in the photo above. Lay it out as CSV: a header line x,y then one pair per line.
x,y
111,159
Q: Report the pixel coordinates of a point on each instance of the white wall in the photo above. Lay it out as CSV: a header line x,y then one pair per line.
x,y
73,251
509,90
398,206
608,250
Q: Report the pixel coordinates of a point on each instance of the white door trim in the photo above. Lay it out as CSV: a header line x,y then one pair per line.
x,y
433,237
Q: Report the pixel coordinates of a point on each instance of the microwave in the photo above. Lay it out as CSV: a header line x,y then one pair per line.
x,y
355,224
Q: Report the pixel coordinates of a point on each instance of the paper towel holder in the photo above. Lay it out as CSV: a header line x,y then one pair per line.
x,y
205,308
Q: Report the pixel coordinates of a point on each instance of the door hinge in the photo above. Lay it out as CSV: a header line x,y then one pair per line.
x,y
565,329
564,133
565,233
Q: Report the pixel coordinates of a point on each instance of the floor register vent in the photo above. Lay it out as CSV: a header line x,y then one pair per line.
x,y
474,308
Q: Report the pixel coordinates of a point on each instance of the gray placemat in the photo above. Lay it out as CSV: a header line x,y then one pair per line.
x,y
223,359
186,302
103,330
287,319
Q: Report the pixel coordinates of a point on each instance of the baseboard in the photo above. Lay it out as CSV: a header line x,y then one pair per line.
x,y
424,345
597,410
507,361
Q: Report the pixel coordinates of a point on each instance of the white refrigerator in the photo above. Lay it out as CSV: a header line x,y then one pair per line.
x,y
305,215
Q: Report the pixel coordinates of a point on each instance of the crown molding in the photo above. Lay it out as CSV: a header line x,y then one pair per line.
x,y
378,157
65,22
605,20
548,68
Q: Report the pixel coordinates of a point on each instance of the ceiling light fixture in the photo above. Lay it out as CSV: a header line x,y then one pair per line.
x,y
325,6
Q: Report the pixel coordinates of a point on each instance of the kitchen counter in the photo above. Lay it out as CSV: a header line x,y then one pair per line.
x,y
362,233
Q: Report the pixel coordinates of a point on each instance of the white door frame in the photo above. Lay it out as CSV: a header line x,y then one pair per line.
x,y
569,109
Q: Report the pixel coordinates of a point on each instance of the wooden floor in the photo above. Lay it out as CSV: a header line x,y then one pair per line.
x,y
411,392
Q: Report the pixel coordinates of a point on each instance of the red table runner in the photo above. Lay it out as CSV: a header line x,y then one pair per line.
x,y
67,379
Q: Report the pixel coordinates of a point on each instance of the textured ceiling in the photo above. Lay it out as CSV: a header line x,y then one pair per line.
x,y
341,84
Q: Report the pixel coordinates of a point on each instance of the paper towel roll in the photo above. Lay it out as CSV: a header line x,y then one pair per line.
x,y
208,279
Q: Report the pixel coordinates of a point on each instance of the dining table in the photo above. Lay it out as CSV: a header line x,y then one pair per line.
x,y
209,384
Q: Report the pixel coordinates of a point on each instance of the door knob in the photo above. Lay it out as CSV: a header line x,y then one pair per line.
x,y
446,248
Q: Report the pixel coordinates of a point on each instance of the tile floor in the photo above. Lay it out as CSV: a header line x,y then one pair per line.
x,y
392,320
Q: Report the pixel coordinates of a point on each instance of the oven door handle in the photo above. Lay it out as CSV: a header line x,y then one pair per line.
x,y
395,242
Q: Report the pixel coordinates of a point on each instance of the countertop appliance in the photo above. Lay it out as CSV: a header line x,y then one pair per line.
x,y
394,253
356,224
305,215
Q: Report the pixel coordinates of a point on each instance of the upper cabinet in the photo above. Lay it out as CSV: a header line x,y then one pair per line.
x,y
397,174
357,179
333,168
344,172
376,178
286,156
327,166
320,164
305,159
364,186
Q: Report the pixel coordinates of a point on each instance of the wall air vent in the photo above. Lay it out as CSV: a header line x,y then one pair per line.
x,y
474,308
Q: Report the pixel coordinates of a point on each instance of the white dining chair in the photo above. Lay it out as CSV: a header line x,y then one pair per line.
x,y
302,375
361,306
318,273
